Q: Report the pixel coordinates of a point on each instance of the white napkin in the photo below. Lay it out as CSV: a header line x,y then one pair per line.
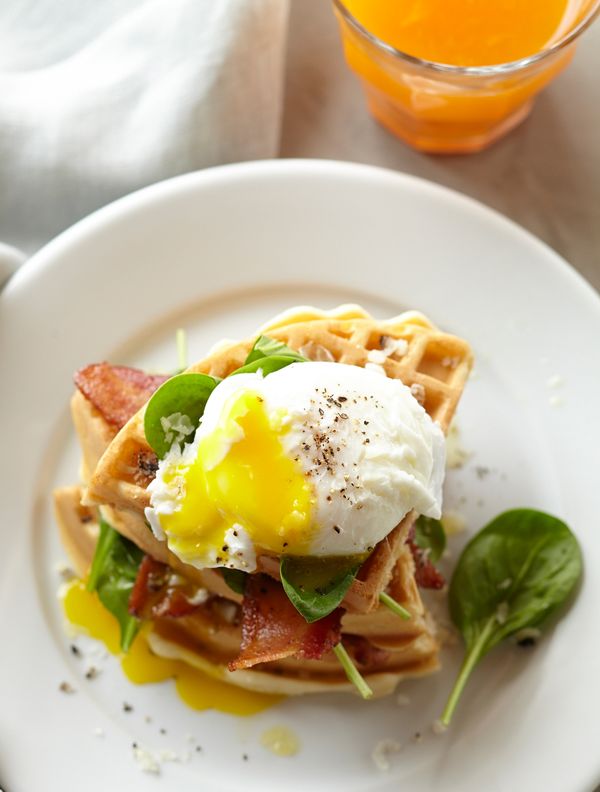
x,y
100,97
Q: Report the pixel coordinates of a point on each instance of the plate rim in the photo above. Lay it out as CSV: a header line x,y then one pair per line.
x,y
50,254
139,200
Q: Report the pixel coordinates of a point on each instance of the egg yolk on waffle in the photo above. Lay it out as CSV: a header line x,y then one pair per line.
x,y
240,485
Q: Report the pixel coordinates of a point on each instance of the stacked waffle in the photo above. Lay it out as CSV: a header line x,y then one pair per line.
x,y
118,465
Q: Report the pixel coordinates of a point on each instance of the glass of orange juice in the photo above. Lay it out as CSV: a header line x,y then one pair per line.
x,y
453,76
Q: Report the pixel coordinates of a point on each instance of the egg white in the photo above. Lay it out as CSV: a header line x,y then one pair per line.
x,y
369,450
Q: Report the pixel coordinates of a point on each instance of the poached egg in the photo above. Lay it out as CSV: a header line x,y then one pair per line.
x,y
316,459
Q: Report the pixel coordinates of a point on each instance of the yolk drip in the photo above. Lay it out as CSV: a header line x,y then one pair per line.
x,y
241,476
197,689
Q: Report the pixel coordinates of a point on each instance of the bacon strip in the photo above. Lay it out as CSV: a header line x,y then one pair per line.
x,y
153,597
426,575
273,629
364,652
117,392
150,578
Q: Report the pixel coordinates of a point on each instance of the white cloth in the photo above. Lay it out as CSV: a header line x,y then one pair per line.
x,y
101,97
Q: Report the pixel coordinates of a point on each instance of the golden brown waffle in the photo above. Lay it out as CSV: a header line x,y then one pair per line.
x,y
210,637
408,348
434,364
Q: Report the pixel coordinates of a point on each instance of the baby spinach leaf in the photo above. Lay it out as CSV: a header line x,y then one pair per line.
x,y
113,573
185,394
430,535
267,347
316,586
266,364
269,355
515,573
235,579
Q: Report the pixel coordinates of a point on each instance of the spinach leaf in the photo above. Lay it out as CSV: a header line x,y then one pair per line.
x,y
267,347
113,573
183,397
266,364
515,573
184,394
316,586
235,579
269,355
430,535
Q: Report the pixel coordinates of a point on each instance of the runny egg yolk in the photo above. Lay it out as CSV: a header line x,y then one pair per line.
x,y
197,689
240,477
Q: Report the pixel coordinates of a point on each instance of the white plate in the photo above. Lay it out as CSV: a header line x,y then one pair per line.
x,y
219,252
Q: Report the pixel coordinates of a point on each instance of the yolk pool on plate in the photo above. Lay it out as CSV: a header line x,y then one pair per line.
x,y
463,32
281,741
241,475
197,689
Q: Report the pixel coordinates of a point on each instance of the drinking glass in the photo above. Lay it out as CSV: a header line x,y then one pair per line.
x,y
442,108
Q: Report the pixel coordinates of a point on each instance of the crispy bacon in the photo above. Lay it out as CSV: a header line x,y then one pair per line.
x,y
273,629
173,605
364,652
150,578
117,392
426,575
153,596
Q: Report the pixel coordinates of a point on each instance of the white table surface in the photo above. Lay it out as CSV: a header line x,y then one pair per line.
x,y
545,175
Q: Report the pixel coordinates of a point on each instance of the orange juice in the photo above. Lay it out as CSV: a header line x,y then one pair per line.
x,y
463,32
435,103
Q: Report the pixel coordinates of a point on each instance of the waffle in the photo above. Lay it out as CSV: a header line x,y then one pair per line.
x,y
209,640
433,364
118,468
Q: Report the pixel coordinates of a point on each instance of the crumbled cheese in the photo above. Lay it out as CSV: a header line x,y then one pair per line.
x,y
418,391
146,761
98,731
556,381
199,598
377,356
394,347
456,455
176,580
506,583
502,613
382,751
556,401
437,727
402,700
176,427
